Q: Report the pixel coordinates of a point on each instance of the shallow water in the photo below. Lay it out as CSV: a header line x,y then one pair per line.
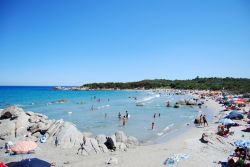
x,y
78,109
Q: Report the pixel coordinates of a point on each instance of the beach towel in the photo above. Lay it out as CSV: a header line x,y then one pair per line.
x,y
175,159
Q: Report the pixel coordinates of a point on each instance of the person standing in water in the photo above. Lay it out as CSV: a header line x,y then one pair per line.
x,y
119,115
159,114
127,114
153,124
106,115
124,121
201,118
154,115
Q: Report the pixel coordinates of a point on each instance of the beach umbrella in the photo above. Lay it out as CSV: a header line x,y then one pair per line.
x,y
234,115
240,101
242,143
226,121
24,147
33,162
2,165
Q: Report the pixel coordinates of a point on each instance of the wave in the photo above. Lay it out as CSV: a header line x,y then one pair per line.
x,y
19,105
160,134
168,127
189,117
105,106
145,99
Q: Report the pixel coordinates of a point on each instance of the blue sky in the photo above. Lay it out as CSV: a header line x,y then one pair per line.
x,y
74,42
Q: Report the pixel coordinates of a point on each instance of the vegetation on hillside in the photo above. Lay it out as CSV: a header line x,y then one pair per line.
x,y
235,85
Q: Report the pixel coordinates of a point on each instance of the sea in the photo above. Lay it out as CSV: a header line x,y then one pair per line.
x,y
97,111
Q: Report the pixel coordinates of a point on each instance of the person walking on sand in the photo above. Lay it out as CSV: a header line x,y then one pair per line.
x,y
153,124
124,121
204,120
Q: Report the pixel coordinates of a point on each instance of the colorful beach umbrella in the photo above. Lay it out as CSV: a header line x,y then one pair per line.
x,y
242,143
24,147
33,162
240,101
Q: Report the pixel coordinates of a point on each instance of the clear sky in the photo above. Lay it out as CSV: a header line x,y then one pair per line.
x,y
57,42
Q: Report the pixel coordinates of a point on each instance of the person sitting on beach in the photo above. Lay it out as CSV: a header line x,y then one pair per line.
x,y
204,120
203,139
7,148
240,152
222,131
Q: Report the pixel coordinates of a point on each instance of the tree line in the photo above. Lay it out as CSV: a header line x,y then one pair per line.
x,y
234,85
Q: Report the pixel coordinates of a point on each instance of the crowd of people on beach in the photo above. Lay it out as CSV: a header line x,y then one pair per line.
x,y
236,113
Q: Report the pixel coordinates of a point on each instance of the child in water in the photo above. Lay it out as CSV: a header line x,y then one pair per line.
x,y
123,121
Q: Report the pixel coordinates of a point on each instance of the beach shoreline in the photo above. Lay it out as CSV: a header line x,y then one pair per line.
x,y
185,141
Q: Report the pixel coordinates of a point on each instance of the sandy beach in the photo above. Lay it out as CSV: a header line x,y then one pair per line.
x,y
187,142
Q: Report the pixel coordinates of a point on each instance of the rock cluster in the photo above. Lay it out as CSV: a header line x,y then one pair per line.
x,y
16,125
187,102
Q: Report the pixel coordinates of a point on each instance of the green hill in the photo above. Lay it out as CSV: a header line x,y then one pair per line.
x,y
234,85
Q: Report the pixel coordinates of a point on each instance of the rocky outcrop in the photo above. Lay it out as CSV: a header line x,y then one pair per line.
x,y
121,137
11,112
187,102
16,125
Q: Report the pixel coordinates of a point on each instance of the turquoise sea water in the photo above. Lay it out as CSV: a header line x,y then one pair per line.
x,y
77,109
